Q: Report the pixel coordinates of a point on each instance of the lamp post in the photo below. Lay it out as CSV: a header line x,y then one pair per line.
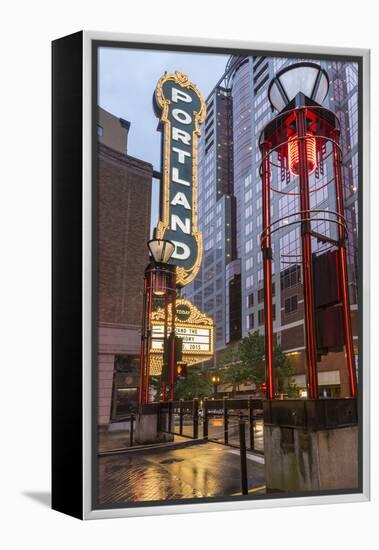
x,y
295,145
216,381
159,285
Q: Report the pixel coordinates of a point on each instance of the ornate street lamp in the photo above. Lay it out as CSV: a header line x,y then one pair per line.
x,y
296,145
161,250
159,284
216,381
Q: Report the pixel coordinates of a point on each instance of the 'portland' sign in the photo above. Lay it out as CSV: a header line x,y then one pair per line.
x,y
181,109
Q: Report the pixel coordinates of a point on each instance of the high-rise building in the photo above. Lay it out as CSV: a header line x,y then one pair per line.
x,y
217,287
124,203
230,284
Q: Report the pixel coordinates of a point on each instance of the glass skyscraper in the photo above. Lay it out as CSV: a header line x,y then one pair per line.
x,y
229,286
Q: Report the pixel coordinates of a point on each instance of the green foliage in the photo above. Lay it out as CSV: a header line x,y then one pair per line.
x,y
251,352
234,375
197,385
228,355
244,363
283,370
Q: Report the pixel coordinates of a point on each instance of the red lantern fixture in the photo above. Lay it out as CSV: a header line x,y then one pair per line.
x,y
159,284
293,153
297,144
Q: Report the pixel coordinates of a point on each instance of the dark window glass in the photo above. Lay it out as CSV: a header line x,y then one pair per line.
x,y
251,321
290,304
261,317
290,277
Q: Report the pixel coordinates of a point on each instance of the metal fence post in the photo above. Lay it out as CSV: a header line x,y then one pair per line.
x,y
226,422
244,485
159,420
251,424
205,420
131,430
195,416
181,417
169,416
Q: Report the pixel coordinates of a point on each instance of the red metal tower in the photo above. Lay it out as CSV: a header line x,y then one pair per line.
x,y
297,145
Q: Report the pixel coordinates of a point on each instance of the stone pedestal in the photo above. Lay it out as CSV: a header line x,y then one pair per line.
x,y
147,429
311,445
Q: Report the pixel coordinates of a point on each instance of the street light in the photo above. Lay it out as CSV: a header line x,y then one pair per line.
x,y
161,250
215,380
307,78
159,283
295,145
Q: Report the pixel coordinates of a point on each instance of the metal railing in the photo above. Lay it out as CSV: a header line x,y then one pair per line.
x,y
215,420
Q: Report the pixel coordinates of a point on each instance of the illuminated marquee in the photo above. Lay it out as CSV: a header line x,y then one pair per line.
x,y
195,328
181,109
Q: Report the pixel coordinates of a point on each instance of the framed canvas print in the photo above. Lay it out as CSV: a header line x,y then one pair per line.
x,y
210,275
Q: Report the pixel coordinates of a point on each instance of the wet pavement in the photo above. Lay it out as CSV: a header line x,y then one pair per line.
x,y
120,439
202,470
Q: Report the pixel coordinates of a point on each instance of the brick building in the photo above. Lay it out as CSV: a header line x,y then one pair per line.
x,y
124,204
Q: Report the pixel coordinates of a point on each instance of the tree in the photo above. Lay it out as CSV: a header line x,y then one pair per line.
x,y
197,385
284,373
251,351
232,372
228,355
245,363
234,375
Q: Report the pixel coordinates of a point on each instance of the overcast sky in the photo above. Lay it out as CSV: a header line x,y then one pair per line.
x,y
127,80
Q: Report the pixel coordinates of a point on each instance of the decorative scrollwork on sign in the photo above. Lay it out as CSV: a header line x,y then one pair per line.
x,y
196,317
181,109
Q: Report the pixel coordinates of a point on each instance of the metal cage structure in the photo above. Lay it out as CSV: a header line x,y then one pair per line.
x,y
296,147
159,291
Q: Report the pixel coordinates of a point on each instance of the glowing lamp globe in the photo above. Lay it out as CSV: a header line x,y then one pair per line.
x,y
293,153
161,250
306,78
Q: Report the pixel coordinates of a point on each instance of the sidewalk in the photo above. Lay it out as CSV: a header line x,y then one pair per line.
x,y
206,470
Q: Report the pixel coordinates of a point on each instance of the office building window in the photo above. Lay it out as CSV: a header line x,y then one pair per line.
x,y
251,321
261,317
290,277
249,245
290,304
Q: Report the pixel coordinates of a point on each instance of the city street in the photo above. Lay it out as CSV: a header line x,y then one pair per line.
x,y
203,470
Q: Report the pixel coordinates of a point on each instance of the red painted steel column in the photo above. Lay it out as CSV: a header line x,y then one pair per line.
x,y
267,271
148,334
342,255
166,293
143,343
173,315
301,124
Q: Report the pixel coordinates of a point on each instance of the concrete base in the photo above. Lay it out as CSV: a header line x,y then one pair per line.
x,y
310,446
146,430
119,426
